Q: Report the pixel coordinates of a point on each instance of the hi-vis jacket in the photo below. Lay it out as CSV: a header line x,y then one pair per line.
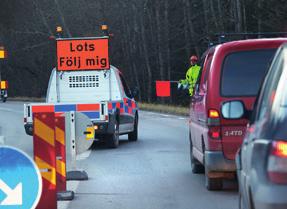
x,y
191,77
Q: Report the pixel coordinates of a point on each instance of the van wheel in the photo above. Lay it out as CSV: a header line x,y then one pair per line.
x,y
196,166
213,184
112,140
133,136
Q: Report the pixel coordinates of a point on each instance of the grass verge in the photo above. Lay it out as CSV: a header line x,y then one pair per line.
x,y
171,109
26,99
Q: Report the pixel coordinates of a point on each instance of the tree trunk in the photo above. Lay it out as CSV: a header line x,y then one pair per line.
x,y
215,20
205,11
159,40
244,17
238,16
146,59
166,43
221,21
259,16
188,11
66,28
186,32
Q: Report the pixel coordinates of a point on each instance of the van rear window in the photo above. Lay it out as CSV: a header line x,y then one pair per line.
x,y
244,71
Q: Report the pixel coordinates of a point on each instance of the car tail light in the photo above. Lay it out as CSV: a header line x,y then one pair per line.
x,y
214,132
277,162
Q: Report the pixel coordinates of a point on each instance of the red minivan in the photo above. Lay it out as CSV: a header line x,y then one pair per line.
x,y
230,71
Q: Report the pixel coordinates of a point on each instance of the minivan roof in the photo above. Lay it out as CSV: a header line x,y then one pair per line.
x,y
245,43
260,43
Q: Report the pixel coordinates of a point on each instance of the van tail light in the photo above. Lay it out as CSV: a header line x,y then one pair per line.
x,y
214,132
106,117
277,162
212,113
213,117
25,120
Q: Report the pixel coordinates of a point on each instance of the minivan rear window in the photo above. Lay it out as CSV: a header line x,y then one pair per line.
x,y
244,71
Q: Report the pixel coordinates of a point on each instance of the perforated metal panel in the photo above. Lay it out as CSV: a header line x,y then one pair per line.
x,y
89,81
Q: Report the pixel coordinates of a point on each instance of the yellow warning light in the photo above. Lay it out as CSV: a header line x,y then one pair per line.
x,y
3,85
59,29
2,52
104,27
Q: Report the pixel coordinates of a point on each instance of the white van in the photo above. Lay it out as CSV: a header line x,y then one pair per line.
x,y
103,95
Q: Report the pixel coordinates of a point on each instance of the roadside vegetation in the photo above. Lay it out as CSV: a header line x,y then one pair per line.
x,y
171,109
26,99
152,40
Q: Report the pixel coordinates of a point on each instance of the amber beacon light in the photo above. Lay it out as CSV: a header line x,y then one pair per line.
x,y
104,27
2,52
59,29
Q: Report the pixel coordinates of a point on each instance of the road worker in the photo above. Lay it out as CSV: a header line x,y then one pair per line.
x,y
191,76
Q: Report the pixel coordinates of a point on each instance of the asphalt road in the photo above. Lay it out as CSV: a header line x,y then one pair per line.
x,y
152,173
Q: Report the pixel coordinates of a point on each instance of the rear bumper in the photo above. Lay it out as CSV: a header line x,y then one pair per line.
x,y
102,128
215,161
105,127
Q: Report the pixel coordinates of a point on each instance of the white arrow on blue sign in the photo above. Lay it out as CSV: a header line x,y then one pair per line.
x,y
20,180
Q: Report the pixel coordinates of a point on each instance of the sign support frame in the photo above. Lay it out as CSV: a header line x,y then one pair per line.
x,y
74,174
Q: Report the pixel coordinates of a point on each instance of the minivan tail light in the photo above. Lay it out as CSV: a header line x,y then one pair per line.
x,y
213,118
277,162
213,113
214,132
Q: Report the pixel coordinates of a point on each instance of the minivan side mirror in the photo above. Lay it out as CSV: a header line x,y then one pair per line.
x,y
233,110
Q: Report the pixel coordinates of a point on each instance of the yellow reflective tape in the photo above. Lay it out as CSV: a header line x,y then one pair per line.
x,y
91,135
44,132
61,168
60,135
47,171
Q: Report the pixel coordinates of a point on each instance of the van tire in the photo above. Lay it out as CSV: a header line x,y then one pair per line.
x,y
213,184
133,136
112,140
196,166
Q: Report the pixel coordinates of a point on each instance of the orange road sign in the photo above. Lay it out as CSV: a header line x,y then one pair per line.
x,y
82,54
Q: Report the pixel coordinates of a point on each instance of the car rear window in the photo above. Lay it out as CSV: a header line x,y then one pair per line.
x,y
244,71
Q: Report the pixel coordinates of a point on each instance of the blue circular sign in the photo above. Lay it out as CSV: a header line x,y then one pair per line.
x,y
20,180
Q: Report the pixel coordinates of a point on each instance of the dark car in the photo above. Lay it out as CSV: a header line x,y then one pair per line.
x,y
262,160
231,71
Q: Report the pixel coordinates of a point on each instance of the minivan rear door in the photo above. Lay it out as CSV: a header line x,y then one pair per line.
x,y
241,77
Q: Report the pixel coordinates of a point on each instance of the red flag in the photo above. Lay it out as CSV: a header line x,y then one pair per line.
x,y
163,88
